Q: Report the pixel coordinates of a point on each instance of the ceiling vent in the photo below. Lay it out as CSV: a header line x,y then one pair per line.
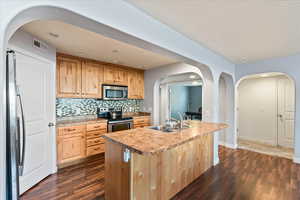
x,y
39,44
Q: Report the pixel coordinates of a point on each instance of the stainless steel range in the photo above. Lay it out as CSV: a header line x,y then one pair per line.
x,y
115,119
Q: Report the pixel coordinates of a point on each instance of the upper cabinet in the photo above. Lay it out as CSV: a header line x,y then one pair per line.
x,y
92,78
136,84
115,75
68,78
83,78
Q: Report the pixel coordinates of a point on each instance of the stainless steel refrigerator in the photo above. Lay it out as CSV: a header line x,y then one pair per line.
x,y
15,130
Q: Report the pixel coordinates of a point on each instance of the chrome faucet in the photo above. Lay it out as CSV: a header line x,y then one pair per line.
x,y
181,120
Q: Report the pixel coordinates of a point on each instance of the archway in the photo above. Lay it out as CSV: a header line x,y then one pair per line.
x,y
55,13
181,94
226,109
266,113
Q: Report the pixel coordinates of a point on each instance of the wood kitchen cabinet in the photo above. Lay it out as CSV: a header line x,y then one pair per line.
x,y
83,78
140,84
68,77
94,142
136,84
142,121
115,75
71,143
81,141
92,78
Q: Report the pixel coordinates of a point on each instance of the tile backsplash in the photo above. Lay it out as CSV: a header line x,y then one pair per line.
x,y
77,107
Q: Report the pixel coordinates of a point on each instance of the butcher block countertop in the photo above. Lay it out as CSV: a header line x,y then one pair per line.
x,y
149,141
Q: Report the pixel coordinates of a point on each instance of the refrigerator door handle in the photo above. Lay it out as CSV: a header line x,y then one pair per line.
x,y
22,156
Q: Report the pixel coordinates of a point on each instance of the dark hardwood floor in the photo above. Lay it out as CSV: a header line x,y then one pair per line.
x,y
84,181
241,175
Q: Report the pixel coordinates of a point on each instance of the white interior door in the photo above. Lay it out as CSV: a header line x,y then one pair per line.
x,y
286,112
35,80
258,110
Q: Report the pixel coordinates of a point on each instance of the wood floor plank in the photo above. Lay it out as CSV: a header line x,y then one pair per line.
x,y
241,175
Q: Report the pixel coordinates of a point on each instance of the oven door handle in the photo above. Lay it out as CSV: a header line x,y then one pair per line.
x,y
121,122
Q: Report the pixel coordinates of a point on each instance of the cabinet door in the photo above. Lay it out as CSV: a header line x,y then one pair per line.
x,y
68,77
122,76
132,86
67,149
140,84
78,147
72,148
92,77
110,75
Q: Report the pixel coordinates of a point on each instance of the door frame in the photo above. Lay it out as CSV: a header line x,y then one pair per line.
x,y
237,103
53,150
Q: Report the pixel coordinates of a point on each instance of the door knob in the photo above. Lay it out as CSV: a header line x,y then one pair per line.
x,y
51,124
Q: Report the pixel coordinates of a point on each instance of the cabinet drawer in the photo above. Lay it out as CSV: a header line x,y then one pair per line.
x,y
94,141
71,130
95,149
142,120
95,134
96,127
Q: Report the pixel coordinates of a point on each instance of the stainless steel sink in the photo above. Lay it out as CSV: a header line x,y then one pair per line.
x,y
167,129
161,128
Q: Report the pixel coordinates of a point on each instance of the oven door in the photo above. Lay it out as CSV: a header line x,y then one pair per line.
x,y
111,92
120,125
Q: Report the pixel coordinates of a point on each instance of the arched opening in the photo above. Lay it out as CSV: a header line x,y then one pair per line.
x,y
181,94
155,77
52,13
226,109
266,113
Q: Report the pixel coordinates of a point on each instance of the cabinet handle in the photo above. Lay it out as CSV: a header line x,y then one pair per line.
x,y
97,126
71,129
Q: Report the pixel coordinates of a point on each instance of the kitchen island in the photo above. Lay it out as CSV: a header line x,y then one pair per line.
x,y
147,164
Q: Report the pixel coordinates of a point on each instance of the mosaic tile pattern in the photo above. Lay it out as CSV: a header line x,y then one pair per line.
x,y
78,107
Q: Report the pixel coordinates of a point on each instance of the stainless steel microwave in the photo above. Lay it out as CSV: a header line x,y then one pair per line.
x,y
113,92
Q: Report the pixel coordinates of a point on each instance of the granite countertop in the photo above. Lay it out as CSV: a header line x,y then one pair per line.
x,y
148,141
79,120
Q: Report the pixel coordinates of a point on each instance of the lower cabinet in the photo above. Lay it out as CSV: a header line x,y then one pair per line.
x,y
140,122
77,142
94,141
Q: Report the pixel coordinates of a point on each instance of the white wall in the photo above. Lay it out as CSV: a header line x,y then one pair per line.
x,y
107,18
226,110
223,108
289,65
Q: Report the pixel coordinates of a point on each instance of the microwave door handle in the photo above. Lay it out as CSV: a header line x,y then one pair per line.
x,y
22,156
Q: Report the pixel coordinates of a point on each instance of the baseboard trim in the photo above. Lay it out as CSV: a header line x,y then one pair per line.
x,y
296,160
231,146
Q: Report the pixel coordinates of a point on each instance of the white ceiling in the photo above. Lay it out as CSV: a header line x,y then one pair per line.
x,y
240,30
80,42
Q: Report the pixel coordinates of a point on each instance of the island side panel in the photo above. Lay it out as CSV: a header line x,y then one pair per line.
x,y
161,176
117,173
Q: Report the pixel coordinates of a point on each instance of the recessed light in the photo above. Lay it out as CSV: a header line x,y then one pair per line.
x,y
55,35
192,76
264,75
